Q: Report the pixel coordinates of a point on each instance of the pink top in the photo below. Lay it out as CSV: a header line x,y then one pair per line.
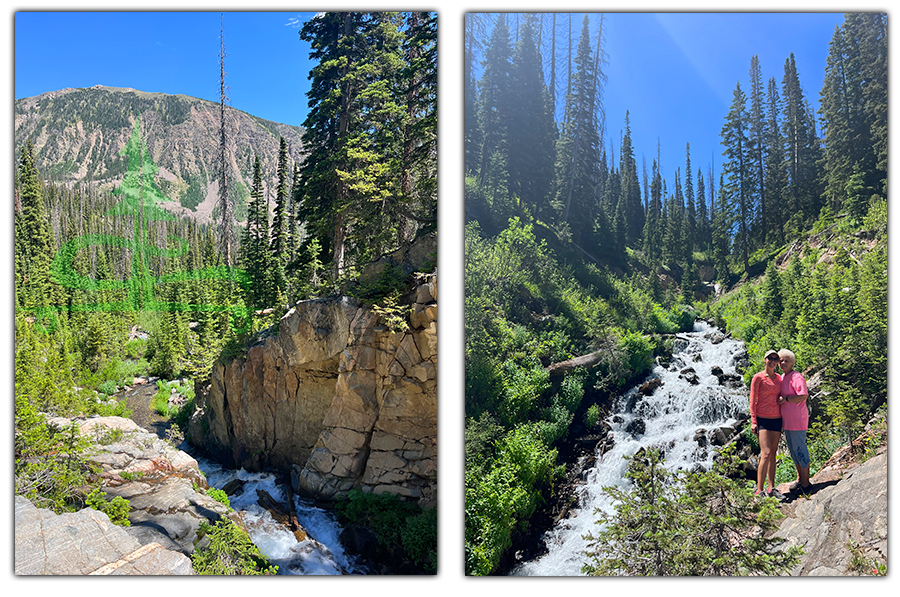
x,y
795,414
764,394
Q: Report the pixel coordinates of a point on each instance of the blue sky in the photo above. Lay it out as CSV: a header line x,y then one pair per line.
x,y
675,73
169,52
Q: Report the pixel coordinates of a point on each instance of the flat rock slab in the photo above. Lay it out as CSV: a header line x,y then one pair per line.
x,y
852,512
83,543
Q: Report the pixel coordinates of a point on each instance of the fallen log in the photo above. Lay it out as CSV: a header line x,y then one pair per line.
x,y
563,367
282,515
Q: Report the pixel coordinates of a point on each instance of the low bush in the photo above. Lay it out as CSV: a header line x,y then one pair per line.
x,y
225,549
396,523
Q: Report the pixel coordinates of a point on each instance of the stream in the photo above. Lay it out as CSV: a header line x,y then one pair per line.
x,y
319,553
690,398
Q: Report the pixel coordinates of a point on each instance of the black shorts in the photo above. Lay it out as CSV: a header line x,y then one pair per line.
x,y
769,424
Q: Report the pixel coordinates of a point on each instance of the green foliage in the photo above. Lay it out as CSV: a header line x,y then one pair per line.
x,y
392,314
50,468
391,282
419,538
501,499
833,306
224,548
397,523
219,495
117,508
526,307
592,416
687,524
160,402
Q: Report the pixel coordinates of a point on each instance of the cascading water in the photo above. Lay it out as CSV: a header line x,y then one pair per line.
x,y
320,553
691,397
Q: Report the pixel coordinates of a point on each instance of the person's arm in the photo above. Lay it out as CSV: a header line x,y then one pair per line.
x,y
754,399
798,385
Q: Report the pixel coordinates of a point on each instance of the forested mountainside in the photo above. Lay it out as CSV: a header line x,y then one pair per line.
x,y
78,136
579,271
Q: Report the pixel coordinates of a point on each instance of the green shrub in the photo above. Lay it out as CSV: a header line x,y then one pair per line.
x,y
49,468
419,537
224,548
639,349
592,416
396,523
729,529
134,348
501,501
117,508
219,495
108,387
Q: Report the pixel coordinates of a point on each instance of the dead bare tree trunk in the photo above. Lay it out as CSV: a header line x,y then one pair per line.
x,y
226,229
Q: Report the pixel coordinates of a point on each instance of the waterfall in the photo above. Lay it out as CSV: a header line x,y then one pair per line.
x,y
320,553
690,398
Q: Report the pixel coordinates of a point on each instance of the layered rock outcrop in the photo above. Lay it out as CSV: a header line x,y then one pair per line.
x,y
339,395
168,504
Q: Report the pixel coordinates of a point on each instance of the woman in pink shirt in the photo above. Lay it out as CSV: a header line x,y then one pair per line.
x,y
765,421
795,416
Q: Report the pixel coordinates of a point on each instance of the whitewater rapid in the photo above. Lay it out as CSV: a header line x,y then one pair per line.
x,y
671,417
320,554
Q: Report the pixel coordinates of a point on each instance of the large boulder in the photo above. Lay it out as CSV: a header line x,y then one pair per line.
x,y
164,485
337,397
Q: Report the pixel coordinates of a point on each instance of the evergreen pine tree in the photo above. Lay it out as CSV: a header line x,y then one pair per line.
x,y
775,173
34,244
738,162
255,244
633,210
578,150
280,221
802,148
691,219
493,111
532,140
764,217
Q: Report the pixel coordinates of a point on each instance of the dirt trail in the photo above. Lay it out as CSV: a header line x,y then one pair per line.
x,y
138,400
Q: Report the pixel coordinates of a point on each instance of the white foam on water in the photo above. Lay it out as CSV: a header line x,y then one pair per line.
x,y
320,554
671,417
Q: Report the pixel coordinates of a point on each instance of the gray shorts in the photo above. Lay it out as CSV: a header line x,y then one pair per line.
x,y
796,441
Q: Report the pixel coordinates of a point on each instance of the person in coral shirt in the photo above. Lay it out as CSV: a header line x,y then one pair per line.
x,y
765,422
795,416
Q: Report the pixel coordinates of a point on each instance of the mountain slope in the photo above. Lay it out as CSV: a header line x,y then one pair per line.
x,y
78,134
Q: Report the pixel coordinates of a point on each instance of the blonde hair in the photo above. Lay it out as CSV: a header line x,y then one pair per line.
x,y
784,353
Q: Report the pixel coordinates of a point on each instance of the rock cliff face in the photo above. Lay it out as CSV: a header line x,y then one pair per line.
x,y
334,396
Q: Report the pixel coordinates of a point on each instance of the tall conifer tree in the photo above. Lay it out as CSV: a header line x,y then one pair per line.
x,y
738,163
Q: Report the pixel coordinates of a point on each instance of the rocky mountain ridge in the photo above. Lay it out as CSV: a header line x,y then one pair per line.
x,y
78,133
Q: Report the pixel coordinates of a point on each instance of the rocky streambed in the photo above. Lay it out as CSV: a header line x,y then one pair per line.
x,y
167,489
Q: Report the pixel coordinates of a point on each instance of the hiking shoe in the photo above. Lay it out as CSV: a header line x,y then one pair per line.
x,y
774,493
805,490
